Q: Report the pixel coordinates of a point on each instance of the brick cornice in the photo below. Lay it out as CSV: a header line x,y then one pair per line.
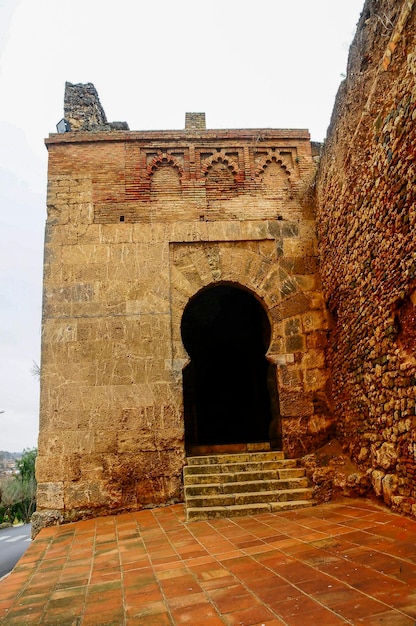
x,y
257,135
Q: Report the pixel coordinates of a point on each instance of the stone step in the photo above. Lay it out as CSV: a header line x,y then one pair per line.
x,y
204,513
260,446
227,477
212,468
243,498
244,486
243,457
243,483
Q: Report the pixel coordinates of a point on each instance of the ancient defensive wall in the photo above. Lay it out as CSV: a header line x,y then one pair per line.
x,y
366,217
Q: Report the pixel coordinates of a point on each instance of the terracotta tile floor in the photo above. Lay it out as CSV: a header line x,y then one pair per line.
x,y
342,563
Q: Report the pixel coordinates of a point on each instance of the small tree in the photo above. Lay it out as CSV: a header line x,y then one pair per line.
x,y
9,496
18,492
26,464
27,499
27,483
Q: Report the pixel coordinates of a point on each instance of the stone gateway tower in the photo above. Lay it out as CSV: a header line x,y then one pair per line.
x,y
182,306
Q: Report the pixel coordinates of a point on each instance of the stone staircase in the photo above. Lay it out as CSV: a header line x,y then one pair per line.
x,y
245,483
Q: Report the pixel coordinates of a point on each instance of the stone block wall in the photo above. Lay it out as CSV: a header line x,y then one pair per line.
x,y
138,224
366,216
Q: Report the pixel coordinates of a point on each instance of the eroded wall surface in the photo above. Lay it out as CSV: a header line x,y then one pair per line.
x,y
138,223
366,218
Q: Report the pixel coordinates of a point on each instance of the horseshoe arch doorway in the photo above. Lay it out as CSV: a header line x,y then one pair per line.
x,y
229,388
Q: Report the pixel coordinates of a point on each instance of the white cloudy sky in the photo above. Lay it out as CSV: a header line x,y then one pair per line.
x,y
274,63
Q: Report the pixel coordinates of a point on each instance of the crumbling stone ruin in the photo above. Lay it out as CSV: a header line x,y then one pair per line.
x,y
83,110
211,287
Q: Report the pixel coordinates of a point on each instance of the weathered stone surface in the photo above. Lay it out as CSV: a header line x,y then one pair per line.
x,y
42,519
386,456
389,485
50,496
377,481
83,110
366,222
333,475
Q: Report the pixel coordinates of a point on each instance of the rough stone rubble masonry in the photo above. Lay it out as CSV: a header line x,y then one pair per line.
x,y
366,216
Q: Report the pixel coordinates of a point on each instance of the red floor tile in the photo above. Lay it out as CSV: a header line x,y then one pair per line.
x,y
351,604
257,614
342,563
231,599
198,614
389,618
180,586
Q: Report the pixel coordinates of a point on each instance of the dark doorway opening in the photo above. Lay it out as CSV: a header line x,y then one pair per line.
x,y
229,386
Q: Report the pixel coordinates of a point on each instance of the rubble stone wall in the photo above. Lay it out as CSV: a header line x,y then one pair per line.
x,y
366,216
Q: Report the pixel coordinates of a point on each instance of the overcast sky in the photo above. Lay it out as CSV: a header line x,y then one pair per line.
x,y
274,63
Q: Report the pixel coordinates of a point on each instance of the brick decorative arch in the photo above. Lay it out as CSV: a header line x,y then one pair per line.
x,y
219,157
269,158
164,159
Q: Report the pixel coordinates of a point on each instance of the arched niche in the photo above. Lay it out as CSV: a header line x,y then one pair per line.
x,y
220,183
165,183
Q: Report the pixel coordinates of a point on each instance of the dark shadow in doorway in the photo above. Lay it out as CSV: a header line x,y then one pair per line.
x,y
229,387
